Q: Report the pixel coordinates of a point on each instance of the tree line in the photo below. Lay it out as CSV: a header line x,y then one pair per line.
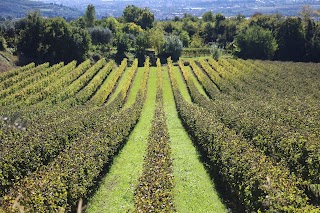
x,y
272,37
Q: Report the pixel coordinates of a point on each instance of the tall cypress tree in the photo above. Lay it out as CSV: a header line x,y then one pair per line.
x,y
90,16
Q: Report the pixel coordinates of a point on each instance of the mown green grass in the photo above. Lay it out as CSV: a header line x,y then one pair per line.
x,y
121,82
135,87
196,82
195,58
116,193
194,190
181,83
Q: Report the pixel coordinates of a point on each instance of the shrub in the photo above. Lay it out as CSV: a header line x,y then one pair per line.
x,y
3,44
172,47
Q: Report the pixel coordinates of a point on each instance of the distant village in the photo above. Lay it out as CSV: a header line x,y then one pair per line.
x,y
162,9
168,9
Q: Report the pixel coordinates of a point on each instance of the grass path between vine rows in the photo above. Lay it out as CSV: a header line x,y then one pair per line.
x,y
193,190
135,87
121,82
116,192
196,82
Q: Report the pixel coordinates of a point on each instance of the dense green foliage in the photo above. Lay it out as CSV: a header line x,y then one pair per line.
x,y
90,16
52,40
3,43
142,17
101,35
291,40
257,43
172,47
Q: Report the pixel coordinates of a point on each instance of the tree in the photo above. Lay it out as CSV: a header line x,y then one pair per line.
x,y
64,43
189,17
52,40
79,44
100,35
230,31
8,31
290,38
256,43
31,35
196,42
131,13
122,42
90,16
219,27
208,17
110,23
142,17
80,22
3,44
172,47
209,33
168,27
56,38
313,45
132,28
140,46
146,19
190,27
306,12
184,37
157,39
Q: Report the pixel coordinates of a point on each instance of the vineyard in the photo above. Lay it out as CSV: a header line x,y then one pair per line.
x,y
194,136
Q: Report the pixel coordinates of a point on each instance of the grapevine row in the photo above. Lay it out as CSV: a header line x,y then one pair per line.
x,y
59,84
84,94
13,76
107,87
252,176
55,71
209,87
39,72
72,174
154,191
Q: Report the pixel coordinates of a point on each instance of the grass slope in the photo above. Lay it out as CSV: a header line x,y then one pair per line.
x,y
135,87
196,82
194,191
121,82
116,193
181,84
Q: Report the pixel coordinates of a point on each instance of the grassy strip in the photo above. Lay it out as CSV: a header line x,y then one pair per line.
x,y
135,87
125,81
116,193
181,84
194,191
154,192
205,81
195,81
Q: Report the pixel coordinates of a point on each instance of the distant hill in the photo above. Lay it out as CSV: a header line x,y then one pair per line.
x,y
19,9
